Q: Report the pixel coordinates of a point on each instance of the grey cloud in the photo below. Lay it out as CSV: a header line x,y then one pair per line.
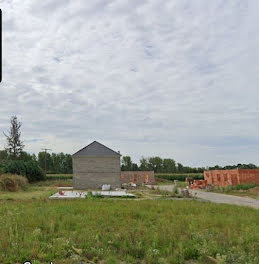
x,y
176,78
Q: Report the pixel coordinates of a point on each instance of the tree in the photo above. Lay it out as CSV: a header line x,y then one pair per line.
x,y
143,164
180,167
156,164
135,167
25,156
126,163
3,155
68,163
14,144
169,165
41,160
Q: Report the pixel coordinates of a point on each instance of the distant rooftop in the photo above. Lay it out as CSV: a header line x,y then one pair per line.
x,y
96,149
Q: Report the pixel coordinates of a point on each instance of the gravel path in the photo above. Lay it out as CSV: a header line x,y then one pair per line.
x,y
217,197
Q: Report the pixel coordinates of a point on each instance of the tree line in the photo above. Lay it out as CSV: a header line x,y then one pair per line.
x,y
168,165
158,165
56,163
61,163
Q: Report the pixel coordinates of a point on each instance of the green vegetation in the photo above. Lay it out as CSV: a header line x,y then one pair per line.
x,y
13,183
59,176
61,163
29,169
158,165
32,227
55,162
179,176
246,186
110,231
15,145
167,194
249,190
32,193
39,190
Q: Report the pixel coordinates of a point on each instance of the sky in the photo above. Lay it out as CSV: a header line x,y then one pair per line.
x,y
176,79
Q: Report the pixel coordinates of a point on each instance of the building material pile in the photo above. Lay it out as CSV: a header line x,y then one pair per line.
x,y
231,177
199,184
81,194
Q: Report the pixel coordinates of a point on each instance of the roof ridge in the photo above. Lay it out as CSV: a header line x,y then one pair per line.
x,y
83,148
98,143
106,147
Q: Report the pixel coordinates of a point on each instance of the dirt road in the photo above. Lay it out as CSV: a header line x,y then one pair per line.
x,y
218,197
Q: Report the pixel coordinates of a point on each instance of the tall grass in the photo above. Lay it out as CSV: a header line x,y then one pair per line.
x,y
246,186
239,187
111,231
13,182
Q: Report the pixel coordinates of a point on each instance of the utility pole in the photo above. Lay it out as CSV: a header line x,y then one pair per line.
x,y
45,150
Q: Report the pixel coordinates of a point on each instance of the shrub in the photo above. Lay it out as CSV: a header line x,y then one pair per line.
x,y
175,190
29,169
13,182
33,172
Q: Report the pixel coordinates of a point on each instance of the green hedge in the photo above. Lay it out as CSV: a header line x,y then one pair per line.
x,y
29,169
180,177
59,177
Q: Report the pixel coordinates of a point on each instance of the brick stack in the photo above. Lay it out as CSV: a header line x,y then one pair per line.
x,y
232,177
199,184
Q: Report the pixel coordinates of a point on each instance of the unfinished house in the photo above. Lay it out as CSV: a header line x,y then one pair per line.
x,y
138,177
231,177
96,165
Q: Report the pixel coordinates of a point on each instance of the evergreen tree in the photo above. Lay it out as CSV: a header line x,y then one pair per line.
x,y
15,145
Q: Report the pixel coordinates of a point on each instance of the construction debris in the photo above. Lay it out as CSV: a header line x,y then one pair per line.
x,y
81,194
199,184
106,187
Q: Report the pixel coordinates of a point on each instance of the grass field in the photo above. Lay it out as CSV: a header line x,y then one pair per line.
x,y
35,228
35,191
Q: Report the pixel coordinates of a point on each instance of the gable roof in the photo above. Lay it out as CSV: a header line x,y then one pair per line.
x,y
96,149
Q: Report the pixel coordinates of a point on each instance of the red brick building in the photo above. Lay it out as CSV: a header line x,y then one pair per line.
x,y
138,177
231,177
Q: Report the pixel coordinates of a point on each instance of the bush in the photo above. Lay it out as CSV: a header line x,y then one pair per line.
x,y
33,172
180,177
29,169
13,182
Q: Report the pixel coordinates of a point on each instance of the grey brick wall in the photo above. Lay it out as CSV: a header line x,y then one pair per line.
x,y
92,172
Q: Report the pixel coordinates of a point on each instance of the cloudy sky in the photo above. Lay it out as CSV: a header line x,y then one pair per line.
x,y
172,78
